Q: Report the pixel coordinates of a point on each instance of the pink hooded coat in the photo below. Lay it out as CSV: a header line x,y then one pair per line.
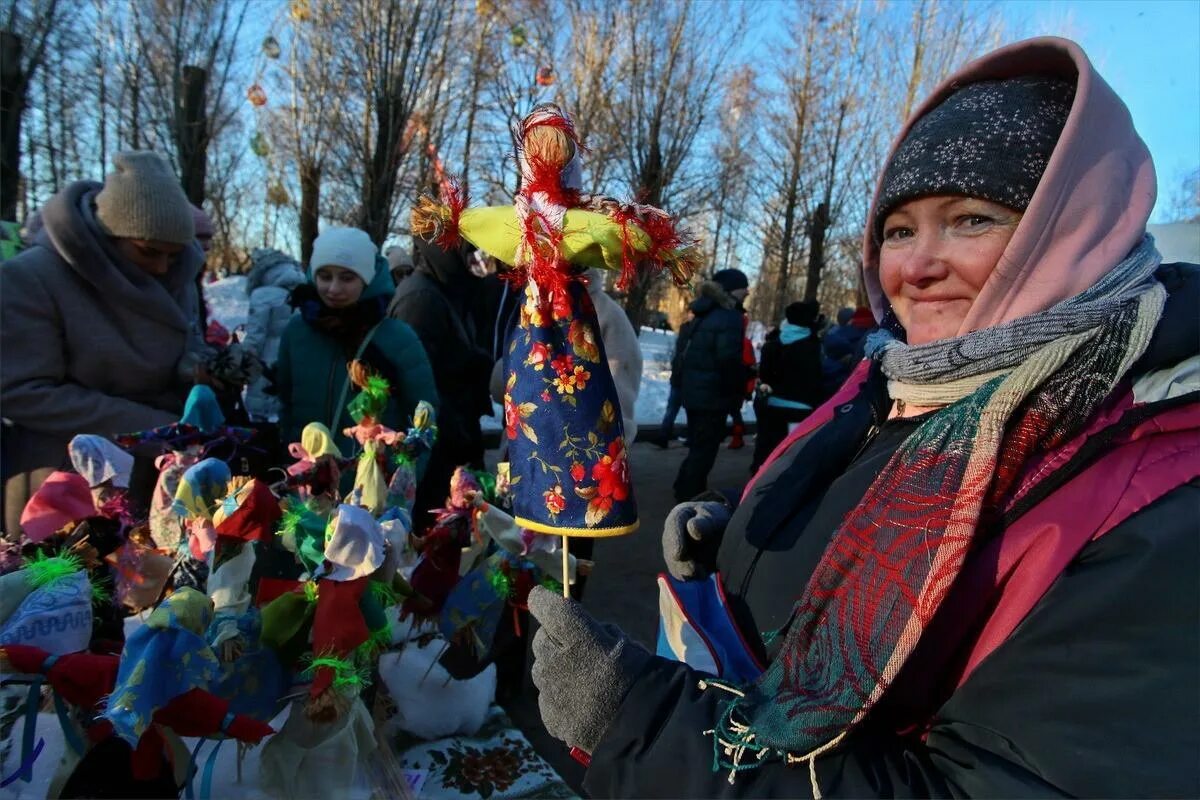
x,y
1090,207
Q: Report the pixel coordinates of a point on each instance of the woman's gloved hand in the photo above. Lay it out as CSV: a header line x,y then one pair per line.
x,y
582,669
691,537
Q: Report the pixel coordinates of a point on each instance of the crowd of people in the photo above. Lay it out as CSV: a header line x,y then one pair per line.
x,y
964,565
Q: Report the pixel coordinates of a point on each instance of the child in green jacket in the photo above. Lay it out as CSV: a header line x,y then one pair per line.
x,y
341,319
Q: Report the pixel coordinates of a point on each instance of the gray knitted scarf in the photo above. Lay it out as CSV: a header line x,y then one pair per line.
x,y
942,372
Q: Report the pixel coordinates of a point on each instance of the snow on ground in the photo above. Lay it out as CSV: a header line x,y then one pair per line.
x,y
227,301
228,304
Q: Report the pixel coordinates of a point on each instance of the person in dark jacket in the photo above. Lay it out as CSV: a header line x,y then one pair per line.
x,y
972,573
844,344
674,400
435,301
789,376
713,380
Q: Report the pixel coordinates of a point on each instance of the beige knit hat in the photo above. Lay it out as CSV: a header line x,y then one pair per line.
x,y
142,199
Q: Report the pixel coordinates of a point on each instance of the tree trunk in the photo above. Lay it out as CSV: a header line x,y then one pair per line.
x,y
191,133
310,206
817,228
13,85
651,189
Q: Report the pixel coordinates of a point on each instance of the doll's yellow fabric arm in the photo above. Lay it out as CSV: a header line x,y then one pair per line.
x,y
590,239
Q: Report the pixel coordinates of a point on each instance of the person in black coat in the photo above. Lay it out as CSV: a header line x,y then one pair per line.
x,y
435,302
713,378
789,375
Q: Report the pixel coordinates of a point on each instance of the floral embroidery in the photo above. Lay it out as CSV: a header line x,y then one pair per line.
x,y
556,502
515,414
563,365
583,338
577,472
612,476
568,383
531,316
539,353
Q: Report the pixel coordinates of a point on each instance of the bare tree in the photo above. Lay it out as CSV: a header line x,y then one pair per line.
x,y
187,48
303,128
25,43
393,70
1184,202
733,155
671,56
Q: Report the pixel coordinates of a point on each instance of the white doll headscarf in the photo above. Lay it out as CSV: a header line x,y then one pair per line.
x,y
99,460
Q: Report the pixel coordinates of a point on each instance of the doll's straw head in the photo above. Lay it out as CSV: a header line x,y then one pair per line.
x,y
548,150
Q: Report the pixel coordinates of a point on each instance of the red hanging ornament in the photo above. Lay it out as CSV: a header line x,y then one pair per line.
x,y
256,96
545,75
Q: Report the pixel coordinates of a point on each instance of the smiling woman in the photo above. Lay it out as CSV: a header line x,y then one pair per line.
x,y
937,254
968,561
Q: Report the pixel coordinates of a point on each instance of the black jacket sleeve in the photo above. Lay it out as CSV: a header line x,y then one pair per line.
x,y
1094,695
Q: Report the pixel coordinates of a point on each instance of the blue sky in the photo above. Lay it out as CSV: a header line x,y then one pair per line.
x,y
1149,52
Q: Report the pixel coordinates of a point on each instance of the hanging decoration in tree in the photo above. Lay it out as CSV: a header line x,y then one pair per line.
x,y
301,11
259,145
568,462
277,193
257,96
270,47
516,36
545,75
485,8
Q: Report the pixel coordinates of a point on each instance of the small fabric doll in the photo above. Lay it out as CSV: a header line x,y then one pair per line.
x,y
47,604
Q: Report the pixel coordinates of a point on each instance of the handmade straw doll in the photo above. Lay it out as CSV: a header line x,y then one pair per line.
x,y
82,682
48,604
510,562
569,471
442,549
200,432
318,468
349,624
103,465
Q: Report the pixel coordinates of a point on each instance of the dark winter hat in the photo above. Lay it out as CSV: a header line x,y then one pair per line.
x,y
731,279
142,199
803,313
990,140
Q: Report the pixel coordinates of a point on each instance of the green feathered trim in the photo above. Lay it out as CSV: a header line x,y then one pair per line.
x,y
501,583
293,514
378,641
310,591
346,673
43,570
100,592
371,401
378,388
550,583
384,593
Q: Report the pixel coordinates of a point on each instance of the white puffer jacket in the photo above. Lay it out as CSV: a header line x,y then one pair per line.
x,y
271,281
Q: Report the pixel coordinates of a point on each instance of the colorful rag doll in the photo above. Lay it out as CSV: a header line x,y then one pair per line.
x,y
563,421
47,604
319,464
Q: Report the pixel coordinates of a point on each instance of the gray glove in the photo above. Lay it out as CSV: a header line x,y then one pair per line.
x,y
582,669
692,536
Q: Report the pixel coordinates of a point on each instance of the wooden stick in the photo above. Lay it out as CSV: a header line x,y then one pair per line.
x,y
566,569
